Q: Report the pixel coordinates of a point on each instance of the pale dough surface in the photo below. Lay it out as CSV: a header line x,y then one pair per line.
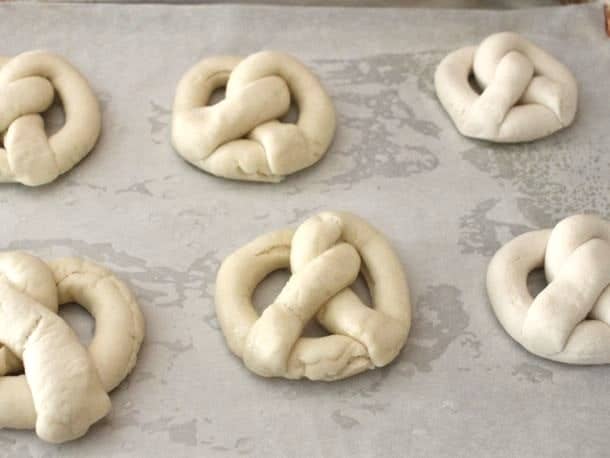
x,y
64,388
569,321
325,255
526,93
242,137
28,83
461,385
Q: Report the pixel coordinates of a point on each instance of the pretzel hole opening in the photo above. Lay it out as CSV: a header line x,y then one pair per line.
x,y
474,85
536,282
292,115
361,288
54,118
218,95
80,320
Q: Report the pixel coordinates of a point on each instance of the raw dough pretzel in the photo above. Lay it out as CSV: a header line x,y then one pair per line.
x,y
63,390
240,137
27,88
527,94
569,321
324,254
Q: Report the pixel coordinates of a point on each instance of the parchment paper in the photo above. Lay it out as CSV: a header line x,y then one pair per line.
x,y
461,387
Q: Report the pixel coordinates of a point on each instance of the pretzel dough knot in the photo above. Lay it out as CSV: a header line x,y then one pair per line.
x,y
64,387
526,93
27,88
241,137
569,321
325,255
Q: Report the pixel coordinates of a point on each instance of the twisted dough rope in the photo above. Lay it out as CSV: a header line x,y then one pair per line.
x,y
526,93
324,254
63,390
27,88
240,137
569,321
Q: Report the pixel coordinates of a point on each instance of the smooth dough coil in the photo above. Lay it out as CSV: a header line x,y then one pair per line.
x,y
325,255
63,390
241,137
27,88
569,321
526,93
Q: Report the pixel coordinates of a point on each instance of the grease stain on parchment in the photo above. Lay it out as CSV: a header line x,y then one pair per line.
x,y
548,180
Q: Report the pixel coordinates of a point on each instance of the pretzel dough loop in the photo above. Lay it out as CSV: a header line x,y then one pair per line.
x,y
64,388
240,137
526,93
569,321
325,255
27,88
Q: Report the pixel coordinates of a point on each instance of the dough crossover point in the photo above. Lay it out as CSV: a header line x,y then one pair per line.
x,y
325,255
526,93
241,137
27,88
63,390
569,321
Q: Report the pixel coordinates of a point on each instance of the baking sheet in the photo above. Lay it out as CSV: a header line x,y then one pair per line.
x,y
461,387
488,4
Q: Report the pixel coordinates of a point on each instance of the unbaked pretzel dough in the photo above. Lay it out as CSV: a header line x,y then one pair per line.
x,y
569,321
241,137
325,255
63,390
27,88
526,93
